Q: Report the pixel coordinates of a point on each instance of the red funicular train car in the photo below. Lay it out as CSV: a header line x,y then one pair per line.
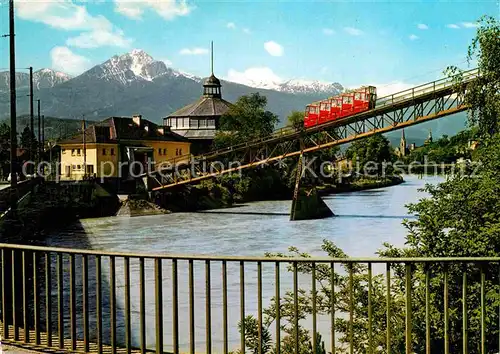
x,y
312,115
340,106
335,107
324,111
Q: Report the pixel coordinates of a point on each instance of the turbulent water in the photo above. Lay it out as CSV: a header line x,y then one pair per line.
x,y
364,220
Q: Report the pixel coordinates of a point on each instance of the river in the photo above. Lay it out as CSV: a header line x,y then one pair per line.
x,y
364,221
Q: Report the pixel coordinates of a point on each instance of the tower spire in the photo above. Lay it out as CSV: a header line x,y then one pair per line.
x,y
212,57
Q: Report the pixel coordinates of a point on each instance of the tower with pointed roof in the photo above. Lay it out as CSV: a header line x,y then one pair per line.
x,y
402,145
429,137
199,120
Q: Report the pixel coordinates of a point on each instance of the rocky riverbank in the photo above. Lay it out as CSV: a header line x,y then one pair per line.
x,y
140,207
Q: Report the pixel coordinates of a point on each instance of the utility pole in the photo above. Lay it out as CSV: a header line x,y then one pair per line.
x,y
39,132
13,125
84,148
32,143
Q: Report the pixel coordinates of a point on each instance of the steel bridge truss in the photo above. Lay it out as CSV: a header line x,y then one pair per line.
x,y
411,107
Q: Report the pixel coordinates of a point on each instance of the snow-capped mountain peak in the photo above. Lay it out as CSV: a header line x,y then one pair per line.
x,y
295,86
49,78
134,66
310,86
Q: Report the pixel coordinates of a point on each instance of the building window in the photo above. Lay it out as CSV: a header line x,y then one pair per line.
x,y
68,171
78,167
159,151
186,123
78,152
180,152
211,123
63,151
193,123
203,122
112,152
90,169
164,151
72,152
176,152
104,151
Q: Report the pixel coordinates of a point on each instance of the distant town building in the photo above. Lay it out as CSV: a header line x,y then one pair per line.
x,y
107,149
199,121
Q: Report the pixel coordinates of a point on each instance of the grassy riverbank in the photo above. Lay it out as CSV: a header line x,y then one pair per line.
x,y
360,184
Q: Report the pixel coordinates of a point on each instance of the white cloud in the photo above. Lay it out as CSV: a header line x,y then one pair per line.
x,y
422,26
64,15
167,62
246,30
469,25
353,31
273,48
453,26
413,37
251,76
63,59
98,39
168,9
231,25
194,51
328,31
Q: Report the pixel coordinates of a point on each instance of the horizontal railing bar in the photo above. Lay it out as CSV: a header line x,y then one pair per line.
x,y
253,259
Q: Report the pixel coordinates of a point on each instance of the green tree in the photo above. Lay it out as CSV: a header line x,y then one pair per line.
x,y
247,119
371,153
4,149
483,94
27,138
296,120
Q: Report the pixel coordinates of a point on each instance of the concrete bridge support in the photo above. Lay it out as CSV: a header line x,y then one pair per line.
x,y
306,202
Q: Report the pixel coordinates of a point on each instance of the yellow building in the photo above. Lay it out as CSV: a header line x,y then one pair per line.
x,y
119,148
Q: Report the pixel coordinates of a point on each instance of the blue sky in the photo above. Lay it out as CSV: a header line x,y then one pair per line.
x,y
354,43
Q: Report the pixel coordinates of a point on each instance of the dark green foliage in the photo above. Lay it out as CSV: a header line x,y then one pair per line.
x,y
28,139
370,153
483,95
247,119
4,149
296,120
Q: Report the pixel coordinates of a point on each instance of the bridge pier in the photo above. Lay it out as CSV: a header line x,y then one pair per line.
x,y
306,202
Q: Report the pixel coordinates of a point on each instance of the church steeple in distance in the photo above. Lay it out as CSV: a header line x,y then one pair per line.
x,y
402,145
212,86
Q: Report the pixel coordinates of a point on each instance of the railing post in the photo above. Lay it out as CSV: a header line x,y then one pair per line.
x,y
446,311
427,310
465,329
388,308
159,306
408,288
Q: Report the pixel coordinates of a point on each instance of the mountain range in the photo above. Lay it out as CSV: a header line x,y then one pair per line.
x,y
135,83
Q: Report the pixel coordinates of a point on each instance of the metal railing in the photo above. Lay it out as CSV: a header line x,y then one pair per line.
x,y
77,300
